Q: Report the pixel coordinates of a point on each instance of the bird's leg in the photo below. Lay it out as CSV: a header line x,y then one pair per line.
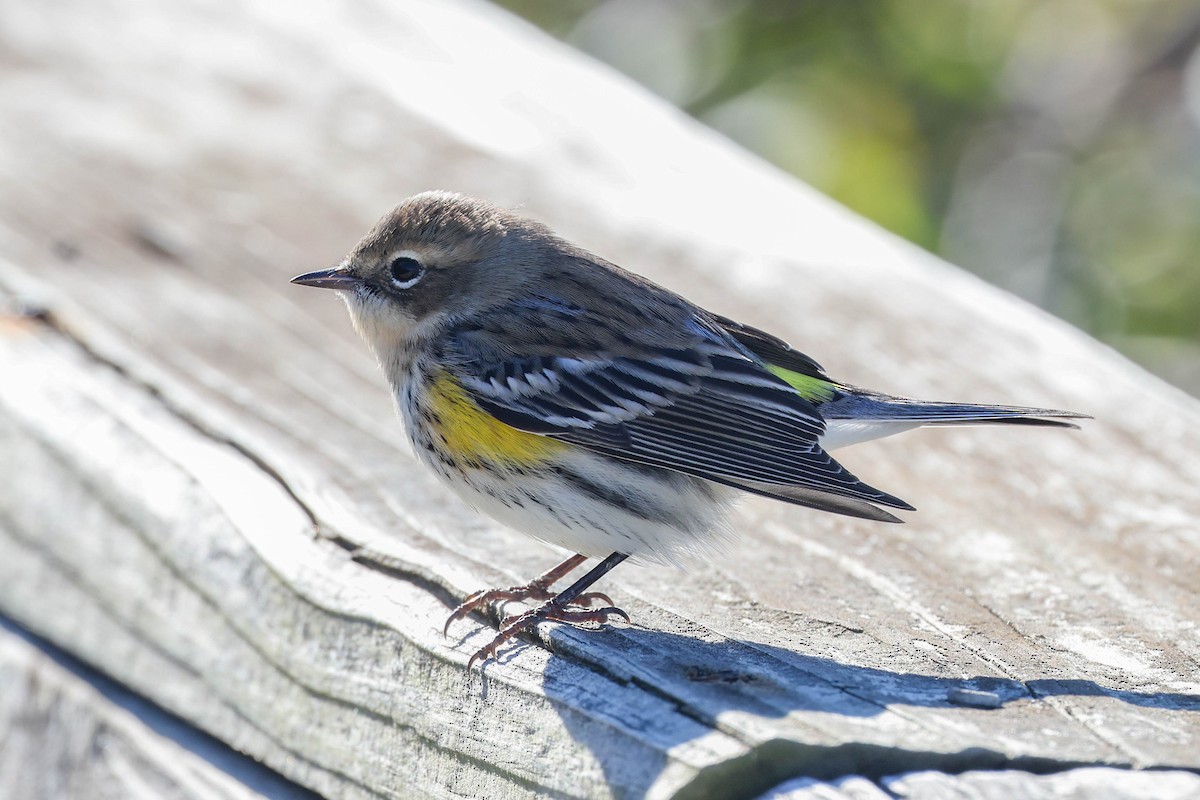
x,y
536,589
556,610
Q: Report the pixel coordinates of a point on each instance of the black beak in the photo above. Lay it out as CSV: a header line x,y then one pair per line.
x,y
332,278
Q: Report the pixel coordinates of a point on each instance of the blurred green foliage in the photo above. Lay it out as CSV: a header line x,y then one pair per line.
x,y
1051,146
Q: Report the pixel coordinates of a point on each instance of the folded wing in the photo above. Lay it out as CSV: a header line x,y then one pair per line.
x,y
703,405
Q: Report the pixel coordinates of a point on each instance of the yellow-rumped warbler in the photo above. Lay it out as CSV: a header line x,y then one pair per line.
x,y
588,407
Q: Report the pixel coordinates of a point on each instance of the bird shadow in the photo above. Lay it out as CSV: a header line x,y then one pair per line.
x,y
697,684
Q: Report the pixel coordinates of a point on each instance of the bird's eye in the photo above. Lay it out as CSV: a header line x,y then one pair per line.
x,y
405,271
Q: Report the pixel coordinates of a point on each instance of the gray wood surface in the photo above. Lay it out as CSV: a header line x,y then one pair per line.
x,y
206,494
1086,783
68,732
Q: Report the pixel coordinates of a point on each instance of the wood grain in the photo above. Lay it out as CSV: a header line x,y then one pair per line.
x,y
70,732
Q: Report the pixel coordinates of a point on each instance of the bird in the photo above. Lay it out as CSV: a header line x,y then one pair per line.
x,y
593,409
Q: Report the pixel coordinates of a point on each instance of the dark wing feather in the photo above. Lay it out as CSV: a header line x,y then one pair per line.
x,y
694,402
771,349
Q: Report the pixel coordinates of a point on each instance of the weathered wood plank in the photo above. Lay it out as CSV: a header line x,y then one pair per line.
x,y
1090,783
67,732
1094,783
176,425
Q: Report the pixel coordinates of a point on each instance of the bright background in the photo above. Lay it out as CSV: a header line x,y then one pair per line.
x,y
1052,147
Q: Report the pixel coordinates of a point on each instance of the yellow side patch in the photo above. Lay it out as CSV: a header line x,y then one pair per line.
x,y
806,386
470,433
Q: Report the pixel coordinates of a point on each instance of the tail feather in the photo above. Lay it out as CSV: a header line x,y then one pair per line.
x,y
1019,420
864,406
859,416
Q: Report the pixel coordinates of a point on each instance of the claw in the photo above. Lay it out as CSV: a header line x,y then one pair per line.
x,y
588,598
550,611
536,589
556,607
530,591
486,597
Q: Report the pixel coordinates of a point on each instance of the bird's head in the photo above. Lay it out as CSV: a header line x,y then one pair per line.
x,y
435,258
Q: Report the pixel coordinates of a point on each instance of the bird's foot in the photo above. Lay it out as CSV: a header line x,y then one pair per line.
x,y
537,589
550,611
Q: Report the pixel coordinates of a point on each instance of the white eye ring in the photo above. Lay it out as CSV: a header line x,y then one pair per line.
x,y
405,270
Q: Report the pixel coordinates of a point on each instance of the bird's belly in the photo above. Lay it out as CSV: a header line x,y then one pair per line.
x,y
596,506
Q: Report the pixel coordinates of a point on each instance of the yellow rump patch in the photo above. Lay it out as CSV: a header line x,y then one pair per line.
x,y
470,433
808,387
